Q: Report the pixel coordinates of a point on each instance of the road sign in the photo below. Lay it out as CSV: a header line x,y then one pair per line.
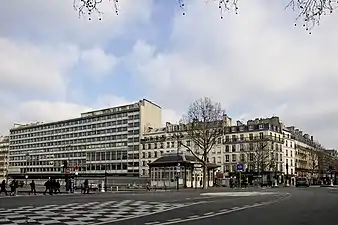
x,y
67,171
240,167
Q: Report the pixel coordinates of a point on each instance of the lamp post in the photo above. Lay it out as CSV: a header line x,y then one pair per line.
x,y
178,176
331,173
26,175
287,175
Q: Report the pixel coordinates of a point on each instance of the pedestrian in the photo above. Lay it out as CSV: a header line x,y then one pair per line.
x,y
48,187
33,190
57,186
14,185
86,187
3,187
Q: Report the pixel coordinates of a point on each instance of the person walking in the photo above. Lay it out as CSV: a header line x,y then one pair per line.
x,y
14,186
32,185
3,187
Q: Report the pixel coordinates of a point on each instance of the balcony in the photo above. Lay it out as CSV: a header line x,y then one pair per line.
x,y
254,139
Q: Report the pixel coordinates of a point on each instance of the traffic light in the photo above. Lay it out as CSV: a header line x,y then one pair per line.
x,y
65,164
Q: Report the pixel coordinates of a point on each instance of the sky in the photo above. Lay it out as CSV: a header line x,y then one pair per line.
x,y
55,65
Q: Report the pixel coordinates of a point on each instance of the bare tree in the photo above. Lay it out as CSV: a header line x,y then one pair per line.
x,y
314,162
90,7
260,156
203,125
309,12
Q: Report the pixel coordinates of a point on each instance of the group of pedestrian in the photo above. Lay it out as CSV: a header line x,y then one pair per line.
x,y
52,186
14,185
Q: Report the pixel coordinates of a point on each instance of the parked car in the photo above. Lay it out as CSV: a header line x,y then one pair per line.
x,y
302,182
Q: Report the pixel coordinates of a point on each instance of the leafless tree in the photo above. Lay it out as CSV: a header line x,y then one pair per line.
x,y
88,7
310,12
260,156
203,125
314,161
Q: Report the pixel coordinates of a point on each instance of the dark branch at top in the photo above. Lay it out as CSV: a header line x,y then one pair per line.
x,y
311,11
88,7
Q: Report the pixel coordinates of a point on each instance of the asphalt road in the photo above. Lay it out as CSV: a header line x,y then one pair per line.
x,y
308,206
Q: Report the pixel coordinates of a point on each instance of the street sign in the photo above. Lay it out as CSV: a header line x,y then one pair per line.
x,y
240,167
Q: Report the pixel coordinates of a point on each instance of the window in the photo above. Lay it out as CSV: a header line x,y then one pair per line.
x,y
227,148
227,158
261,134
234,157
251,136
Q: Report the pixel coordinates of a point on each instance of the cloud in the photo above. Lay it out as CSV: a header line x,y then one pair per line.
x,y
255,63
56,20
29,68
98,62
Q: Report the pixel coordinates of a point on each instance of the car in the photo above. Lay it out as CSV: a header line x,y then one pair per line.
x,y
302,182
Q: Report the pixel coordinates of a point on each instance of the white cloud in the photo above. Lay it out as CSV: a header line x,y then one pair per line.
x,y
28,67
98,62
57,20
255,63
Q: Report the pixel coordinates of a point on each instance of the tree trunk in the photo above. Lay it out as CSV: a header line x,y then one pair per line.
x,y
205,177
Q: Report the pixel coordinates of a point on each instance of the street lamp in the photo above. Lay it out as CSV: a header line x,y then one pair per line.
x,y
27,158
287,174
178,176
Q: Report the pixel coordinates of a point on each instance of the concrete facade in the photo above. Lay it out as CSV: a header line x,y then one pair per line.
x,y
98,142
4,147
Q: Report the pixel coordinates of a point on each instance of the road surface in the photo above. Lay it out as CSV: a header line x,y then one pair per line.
x,y
308,206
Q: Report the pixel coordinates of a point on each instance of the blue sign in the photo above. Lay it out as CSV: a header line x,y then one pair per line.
x,y
240,167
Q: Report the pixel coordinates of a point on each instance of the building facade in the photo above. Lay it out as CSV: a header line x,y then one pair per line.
x,y
307,152
4,147
289,154
262,146
257,145
98,142
239,144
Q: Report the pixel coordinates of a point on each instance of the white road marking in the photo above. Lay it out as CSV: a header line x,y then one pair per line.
x,y
222,212
209,213
194,216
174,220
238,194
152,223
148,214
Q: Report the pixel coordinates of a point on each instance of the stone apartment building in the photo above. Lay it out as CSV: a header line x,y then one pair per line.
x,y
307,151
237,145
288,152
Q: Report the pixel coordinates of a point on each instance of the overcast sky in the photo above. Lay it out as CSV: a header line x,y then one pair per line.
x,y
257,63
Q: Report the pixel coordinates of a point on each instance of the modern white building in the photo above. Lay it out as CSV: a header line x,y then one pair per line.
x,y
4,147
97,142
